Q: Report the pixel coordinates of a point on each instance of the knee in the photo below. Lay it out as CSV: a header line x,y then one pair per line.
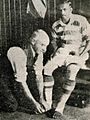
x,y
49,68
72,71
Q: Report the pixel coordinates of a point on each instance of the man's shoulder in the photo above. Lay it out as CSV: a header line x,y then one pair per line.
x,y
74,17
56,23
79,18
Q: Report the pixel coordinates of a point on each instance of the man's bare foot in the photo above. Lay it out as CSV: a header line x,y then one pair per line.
x,y
58,115
55,114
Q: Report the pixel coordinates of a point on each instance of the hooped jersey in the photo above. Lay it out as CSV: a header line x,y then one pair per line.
x,y
76,32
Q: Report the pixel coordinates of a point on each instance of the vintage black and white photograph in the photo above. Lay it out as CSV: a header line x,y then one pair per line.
x,y
44,59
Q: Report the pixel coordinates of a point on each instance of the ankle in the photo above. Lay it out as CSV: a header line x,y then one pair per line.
x,y
59,110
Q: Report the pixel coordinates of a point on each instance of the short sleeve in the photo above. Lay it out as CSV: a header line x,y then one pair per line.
x,y
85,30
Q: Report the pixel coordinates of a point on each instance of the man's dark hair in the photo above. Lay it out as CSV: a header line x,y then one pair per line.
x,y
65,1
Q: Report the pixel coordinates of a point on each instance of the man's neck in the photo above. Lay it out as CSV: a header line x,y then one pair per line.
x,y
65,21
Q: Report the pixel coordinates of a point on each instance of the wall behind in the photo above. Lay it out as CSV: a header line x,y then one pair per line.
x,y
11,20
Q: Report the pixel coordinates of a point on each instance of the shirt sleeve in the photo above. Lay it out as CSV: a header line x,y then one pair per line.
x,y
85,29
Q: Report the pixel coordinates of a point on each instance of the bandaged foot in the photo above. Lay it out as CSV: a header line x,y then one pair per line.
x,y
55,114
58,115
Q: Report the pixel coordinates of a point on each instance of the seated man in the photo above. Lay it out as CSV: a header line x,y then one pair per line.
x,y
71,34
15,91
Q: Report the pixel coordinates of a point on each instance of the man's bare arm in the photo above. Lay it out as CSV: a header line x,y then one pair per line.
x,y
29,95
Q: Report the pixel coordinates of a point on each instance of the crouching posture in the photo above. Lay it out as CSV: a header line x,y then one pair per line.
x,y
31,56
71,34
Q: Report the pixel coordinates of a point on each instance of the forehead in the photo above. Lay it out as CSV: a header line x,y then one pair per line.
x,y
43,42
64,6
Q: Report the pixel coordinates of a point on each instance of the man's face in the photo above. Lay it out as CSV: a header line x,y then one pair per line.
x,y
40,47
65,11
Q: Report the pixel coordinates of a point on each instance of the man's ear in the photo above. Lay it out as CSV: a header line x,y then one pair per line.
x,y
71,9
32,41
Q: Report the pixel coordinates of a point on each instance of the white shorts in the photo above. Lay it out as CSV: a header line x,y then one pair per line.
x,y
62,57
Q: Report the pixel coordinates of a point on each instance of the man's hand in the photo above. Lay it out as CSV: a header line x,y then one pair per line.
x,y
39,108
45,105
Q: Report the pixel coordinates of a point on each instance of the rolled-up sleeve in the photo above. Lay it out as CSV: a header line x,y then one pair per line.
x,y
18,60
